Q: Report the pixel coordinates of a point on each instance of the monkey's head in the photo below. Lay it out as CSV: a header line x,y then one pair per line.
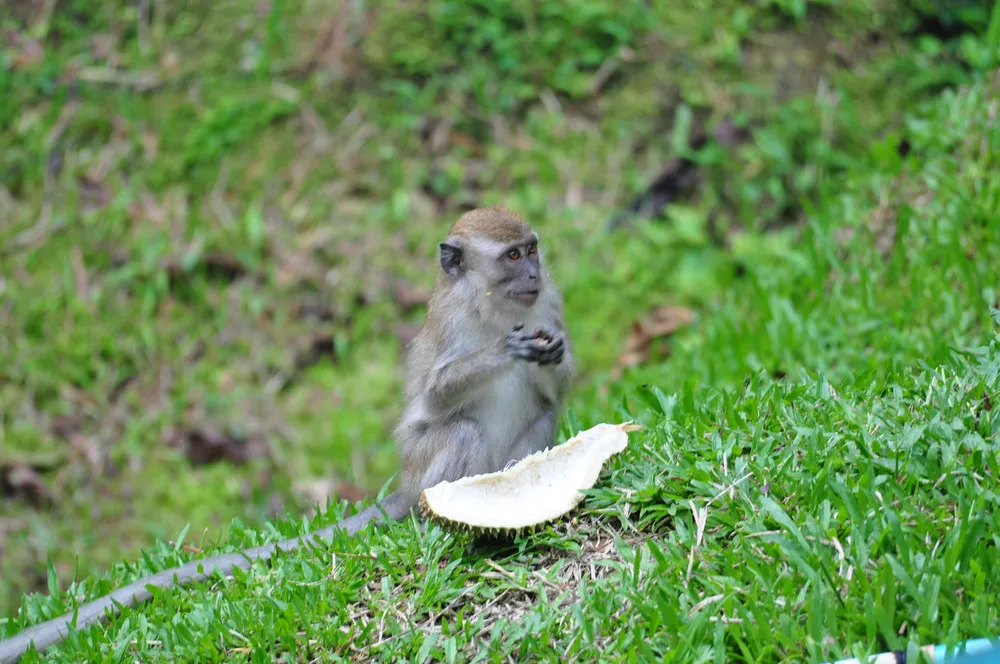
x,y
497,253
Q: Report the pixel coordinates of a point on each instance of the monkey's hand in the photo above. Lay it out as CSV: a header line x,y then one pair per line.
x,y
541,346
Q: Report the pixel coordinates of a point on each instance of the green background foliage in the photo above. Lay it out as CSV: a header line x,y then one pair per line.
x,y
216,223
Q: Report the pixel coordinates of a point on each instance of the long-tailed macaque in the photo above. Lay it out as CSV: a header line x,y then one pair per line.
x,y
486,379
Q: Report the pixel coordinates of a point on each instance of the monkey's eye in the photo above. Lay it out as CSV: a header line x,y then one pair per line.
x,y
514,254
532,248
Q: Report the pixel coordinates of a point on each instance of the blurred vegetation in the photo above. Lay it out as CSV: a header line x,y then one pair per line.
x,y
219,222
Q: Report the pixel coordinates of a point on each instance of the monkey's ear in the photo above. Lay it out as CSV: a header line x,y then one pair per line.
x,y
451,258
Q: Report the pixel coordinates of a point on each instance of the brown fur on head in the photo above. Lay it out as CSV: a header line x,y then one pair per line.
x,y
495,223
490,259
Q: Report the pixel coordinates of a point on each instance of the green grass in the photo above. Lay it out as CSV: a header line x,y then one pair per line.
x,y
819,463
850,504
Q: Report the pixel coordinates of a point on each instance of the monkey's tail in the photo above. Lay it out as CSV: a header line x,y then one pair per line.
x,y
55,630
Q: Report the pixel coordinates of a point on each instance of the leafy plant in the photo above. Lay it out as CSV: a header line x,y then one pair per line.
x,y
500,52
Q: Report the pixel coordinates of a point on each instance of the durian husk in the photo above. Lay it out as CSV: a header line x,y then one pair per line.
x,y
536,490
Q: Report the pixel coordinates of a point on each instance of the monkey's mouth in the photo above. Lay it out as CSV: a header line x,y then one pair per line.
x,y
527,297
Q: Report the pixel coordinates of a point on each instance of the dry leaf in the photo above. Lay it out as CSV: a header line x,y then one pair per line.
x,y
22,481
207,443
660,322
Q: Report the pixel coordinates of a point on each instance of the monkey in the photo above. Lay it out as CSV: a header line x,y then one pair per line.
x,y
481,391
486,379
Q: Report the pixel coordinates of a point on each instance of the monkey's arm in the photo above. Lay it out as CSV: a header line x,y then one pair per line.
x,y
455,380
43,635
451,382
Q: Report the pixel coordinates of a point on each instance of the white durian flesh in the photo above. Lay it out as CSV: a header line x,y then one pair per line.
x,y
537,489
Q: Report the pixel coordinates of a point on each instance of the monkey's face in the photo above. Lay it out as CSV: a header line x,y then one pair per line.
x,y
506,269
518,272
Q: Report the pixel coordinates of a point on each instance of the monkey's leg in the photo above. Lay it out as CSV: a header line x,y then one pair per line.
x,y
462,452
540,434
